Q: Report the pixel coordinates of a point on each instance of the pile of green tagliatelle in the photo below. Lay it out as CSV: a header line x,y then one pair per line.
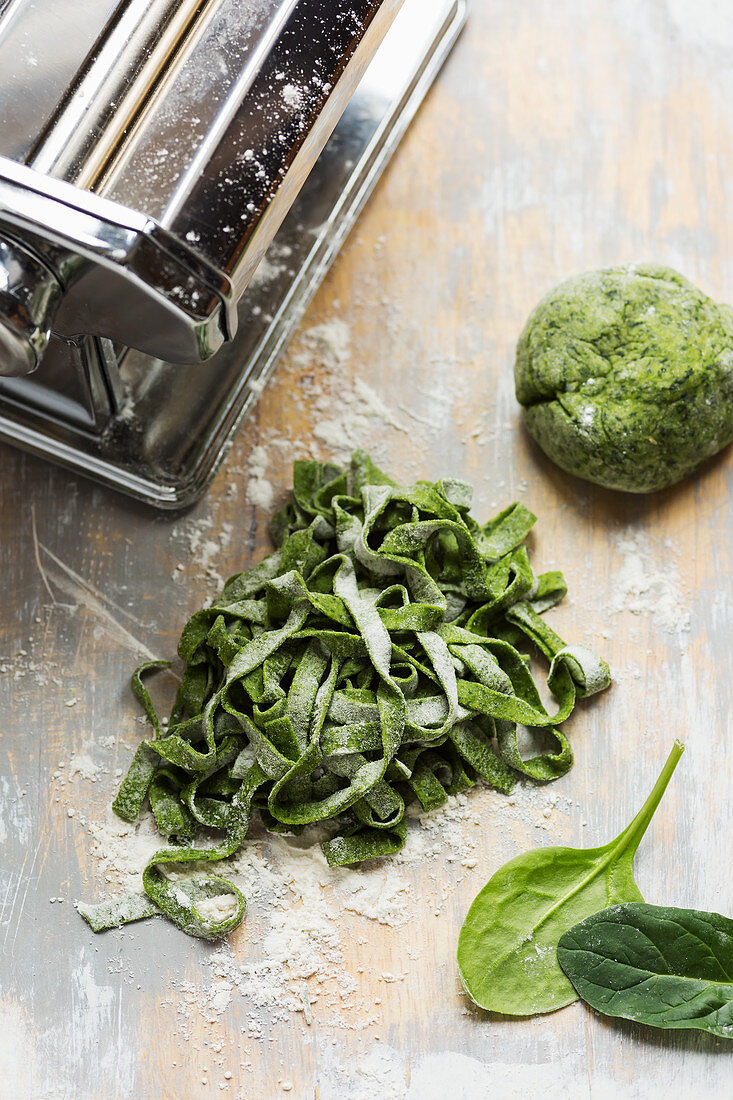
x,y
373,660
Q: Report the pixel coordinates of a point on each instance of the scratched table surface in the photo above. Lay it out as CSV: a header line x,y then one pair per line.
x,y
560,137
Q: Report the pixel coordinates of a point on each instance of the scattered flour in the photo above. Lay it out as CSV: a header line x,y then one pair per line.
x,y
320,946
81,764
384,1072
346,411
121,848
259,490
644,588
292,95
381,1072
23,665
272,266
349,412
388,1073
351,423
267,271
203,546
298,952
219,908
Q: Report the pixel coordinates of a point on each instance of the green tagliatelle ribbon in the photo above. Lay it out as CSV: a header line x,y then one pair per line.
x,y
371,661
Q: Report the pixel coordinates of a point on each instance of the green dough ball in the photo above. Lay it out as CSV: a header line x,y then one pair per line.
x,y
626,376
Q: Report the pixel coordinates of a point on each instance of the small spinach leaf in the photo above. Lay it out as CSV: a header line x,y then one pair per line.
x,y
671,968
507,947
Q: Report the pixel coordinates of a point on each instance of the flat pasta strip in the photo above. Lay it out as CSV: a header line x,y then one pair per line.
x,y
372,661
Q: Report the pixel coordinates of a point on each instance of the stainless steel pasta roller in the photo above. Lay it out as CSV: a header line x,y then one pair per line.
x,y
151,151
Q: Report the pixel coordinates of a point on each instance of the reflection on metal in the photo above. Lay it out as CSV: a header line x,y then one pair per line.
x,y
29,293
109,90
276,75
173,279
43,44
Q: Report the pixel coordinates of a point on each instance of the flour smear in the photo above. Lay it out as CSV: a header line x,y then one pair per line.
x,y
644,587
322,950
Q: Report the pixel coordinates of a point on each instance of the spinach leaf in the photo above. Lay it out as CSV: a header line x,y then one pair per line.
x,y
671,968
507,947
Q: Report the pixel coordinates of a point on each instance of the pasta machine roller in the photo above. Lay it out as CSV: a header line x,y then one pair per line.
x,y
151,152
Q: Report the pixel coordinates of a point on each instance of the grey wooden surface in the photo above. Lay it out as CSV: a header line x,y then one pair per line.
x,y
560,137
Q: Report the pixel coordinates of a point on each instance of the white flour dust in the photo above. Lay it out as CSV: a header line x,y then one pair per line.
x,y
205,545
273,265
384,1072
319,945
81,764
22,665
300,960
349,413
260,491
644,587
295,951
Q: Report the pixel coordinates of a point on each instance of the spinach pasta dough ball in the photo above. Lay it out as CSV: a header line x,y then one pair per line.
x,y
626,376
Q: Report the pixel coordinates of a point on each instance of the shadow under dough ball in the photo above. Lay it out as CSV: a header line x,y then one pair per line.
x,y
626,376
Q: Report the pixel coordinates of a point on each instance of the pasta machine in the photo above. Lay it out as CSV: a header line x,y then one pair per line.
x,y
151,152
